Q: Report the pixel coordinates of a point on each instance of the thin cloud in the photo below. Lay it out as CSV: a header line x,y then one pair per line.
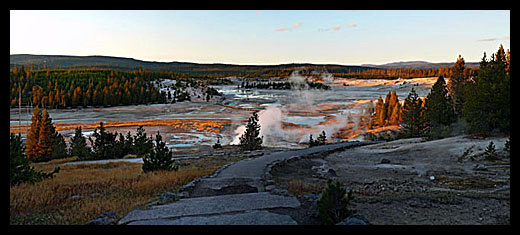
x,y
487,40
296,25
336,28
494,39
282,29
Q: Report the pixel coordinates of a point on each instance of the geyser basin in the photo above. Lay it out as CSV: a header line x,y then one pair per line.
x,y
302,112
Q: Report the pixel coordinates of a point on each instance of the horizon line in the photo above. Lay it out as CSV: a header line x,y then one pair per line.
x,y
244,64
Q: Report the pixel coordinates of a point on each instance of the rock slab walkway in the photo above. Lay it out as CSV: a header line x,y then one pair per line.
x,y
215,207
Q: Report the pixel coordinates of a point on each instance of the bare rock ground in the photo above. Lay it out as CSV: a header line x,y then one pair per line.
x,y
410,181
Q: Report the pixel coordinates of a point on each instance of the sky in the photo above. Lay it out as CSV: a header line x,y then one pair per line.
x,y
346,37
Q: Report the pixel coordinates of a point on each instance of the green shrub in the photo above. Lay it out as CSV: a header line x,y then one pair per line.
x,y
466,153
322,139
333,205
490,153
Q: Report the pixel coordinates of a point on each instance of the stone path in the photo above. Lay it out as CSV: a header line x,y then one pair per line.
x,y
213,206
236,195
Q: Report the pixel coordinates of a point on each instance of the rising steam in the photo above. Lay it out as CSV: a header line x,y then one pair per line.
x,y
271,118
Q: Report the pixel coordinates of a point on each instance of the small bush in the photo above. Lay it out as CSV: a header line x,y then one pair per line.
x,y
333,205
490,153
217,145
466,153
322,139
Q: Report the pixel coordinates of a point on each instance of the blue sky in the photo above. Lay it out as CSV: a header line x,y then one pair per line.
x,y
263,36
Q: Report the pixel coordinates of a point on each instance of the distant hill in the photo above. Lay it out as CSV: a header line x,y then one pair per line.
x,y
417,65
65,62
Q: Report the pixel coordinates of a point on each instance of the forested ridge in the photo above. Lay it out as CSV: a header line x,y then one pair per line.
x,y
83,87
59,88
39,62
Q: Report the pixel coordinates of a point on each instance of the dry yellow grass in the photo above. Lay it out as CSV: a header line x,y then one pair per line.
x,y
299,187
80,193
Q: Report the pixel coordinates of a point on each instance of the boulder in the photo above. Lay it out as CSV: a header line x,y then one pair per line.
x,y
385,161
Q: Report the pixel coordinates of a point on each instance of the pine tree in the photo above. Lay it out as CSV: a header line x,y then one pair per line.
x,y
380,112
78,145
217,145
487,99
322,138
438,106
37,94
20,169
508,62
456,85
141,143
50,99
33,134
395,115
413,115
45,138
394,109
76,97
59,147
103,143
19,165
312,142
122,146
250,140
159,158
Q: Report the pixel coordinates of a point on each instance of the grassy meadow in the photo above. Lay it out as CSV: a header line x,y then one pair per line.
x,y
80,193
